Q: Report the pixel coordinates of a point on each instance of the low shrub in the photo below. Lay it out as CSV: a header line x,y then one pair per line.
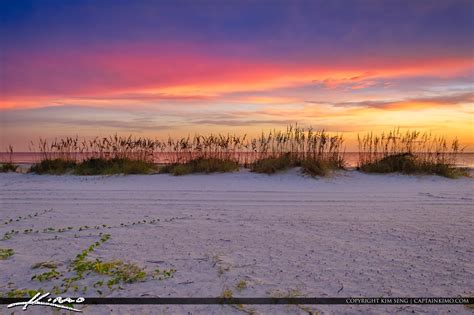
x,y
315,167
8,167
201,165
177,169
6,253
273,164
403,163
53,167
311,166
113,166
94,166
407,163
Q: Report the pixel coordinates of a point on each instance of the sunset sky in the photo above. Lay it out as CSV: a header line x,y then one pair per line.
x,y
159,68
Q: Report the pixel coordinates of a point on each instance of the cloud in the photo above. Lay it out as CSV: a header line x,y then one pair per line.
x,y
409,103
83,118
137,125
148,97
166,72
362,81
248,122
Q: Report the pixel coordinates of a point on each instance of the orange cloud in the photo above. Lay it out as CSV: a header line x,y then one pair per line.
x,y
148,73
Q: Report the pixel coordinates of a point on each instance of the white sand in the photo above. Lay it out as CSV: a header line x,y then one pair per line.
x,y
350,235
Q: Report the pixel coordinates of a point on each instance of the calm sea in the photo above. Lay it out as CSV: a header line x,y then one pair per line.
x,y
463,159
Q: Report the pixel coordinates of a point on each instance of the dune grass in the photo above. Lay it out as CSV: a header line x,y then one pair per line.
x,y
268,153
8,167
53,167
273,164
407,163
315,167
310,166
201,165
317,152
411,152
95,166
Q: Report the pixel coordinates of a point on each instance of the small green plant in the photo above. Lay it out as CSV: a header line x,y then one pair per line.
x,y
45,265
46,276
117,271
9,235
6,253
124,273
19,293
227,294
163,274
241,285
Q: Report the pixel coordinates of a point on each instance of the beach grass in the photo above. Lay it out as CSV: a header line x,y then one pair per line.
x,y
201,165
317,152
407,163
56,166
8,167
411,152
273,164
94,166
316,167
310,166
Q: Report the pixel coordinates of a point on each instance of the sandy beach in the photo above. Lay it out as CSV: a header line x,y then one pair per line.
x,y
284,235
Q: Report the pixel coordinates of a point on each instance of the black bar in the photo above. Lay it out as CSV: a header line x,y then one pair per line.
x,y
269,301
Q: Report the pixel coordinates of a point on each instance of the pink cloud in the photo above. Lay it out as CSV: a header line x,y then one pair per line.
x,y
184,72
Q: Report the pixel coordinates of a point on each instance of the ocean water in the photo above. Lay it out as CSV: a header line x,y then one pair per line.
x,y
463,159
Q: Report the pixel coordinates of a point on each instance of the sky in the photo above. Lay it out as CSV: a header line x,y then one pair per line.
x,y
173,68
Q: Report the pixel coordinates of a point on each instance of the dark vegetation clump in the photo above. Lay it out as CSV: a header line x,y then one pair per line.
x,y
273,164
102,166
316,152
92,166
316,167
407,163
310,166
201,165
53,167
8,167
409,153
